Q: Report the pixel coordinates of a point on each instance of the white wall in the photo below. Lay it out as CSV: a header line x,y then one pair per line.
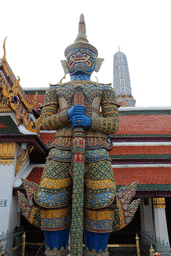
x,y
6,189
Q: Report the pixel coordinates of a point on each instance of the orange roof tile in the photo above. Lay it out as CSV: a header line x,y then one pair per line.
x,y
144,175
47,137
39,100
35,175
145,124
134,150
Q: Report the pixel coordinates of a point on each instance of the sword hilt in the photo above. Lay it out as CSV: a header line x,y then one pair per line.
x,y
79,95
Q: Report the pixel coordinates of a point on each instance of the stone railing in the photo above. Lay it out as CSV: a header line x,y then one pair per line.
x,y
148,240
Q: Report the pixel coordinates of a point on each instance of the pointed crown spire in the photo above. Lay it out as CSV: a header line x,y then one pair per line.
x,y
81,39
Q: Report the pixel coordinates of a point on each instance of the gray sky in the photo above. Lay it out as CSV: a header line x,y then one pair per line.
x,y
39,31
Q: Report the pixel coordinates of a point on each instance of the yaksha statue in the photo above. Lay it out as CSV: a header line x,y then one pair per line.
x,y
77,192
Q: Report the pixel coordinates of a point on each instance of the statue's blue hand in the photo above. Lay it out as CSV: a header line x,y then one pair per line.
x,y
81,121
75,110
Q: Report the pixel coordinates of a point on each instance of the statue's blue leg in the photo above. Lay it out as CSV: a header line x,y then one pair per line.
x,y
96,241
57,239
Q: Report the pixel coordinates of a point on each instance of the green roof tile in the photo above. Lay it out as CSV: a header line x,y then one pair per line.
x,y
7,126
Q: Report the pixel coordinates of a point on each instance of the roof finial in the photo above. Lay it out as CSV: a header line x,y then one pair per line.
x,y
4,57
81,37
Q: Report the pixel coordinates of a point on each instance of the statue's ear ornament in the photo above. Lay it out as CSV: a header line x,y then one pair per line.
x,y
98,64
64,65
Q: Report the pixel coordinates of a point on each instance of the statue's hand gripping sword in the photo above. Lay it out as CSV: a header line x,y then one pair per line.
x,y
78,152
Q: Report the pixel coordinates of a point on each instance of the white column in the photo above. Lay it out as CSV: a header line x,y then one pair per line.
x,y
160,221
146,213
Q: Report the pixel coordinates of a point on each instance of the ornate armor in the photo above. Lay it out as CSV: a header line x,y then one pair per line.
x,y
56,183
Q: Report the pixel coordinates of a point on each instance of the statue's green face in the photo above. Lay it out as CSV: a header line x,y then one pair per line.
x,y
81,61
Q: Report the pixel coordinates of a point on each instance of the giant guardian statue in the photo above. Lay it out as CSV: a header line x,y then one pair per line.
x,y
77,193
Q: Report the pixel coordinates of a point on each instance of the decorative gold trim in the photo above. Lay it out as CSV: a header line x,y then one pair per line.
x,y
4,108
7,161
55,213
121,245
137,245
20,162
6,66
7,150
102,214
4,48
55,184
16,90
121,214
159,203
38,124
151,251
99,184
22,158
97,79
94,253
62,79
56,252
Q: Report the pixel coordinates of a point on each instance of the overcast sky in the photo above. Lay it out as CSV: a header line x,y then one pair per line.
x,y
39,31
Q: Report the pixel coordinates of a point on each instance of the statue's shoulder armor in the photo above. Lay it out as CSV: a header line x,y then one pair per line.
x,y
51,92
101,85
105,87
50,97
109,95
108,87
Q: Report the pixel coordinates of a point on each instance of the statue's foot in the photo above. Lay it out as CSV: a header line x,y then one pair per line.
x,y
56,252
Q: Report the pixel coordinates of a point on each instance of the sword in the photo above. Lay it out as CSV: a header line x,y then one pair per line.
x,y
78,153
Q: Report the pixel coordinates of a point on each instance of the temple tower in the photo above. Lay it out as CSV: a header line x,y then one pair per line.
x,y
121,80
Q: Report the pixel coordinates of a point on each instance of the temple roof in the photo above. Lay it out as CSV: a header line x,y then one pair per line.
x,y
14,99
144,121
30,92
